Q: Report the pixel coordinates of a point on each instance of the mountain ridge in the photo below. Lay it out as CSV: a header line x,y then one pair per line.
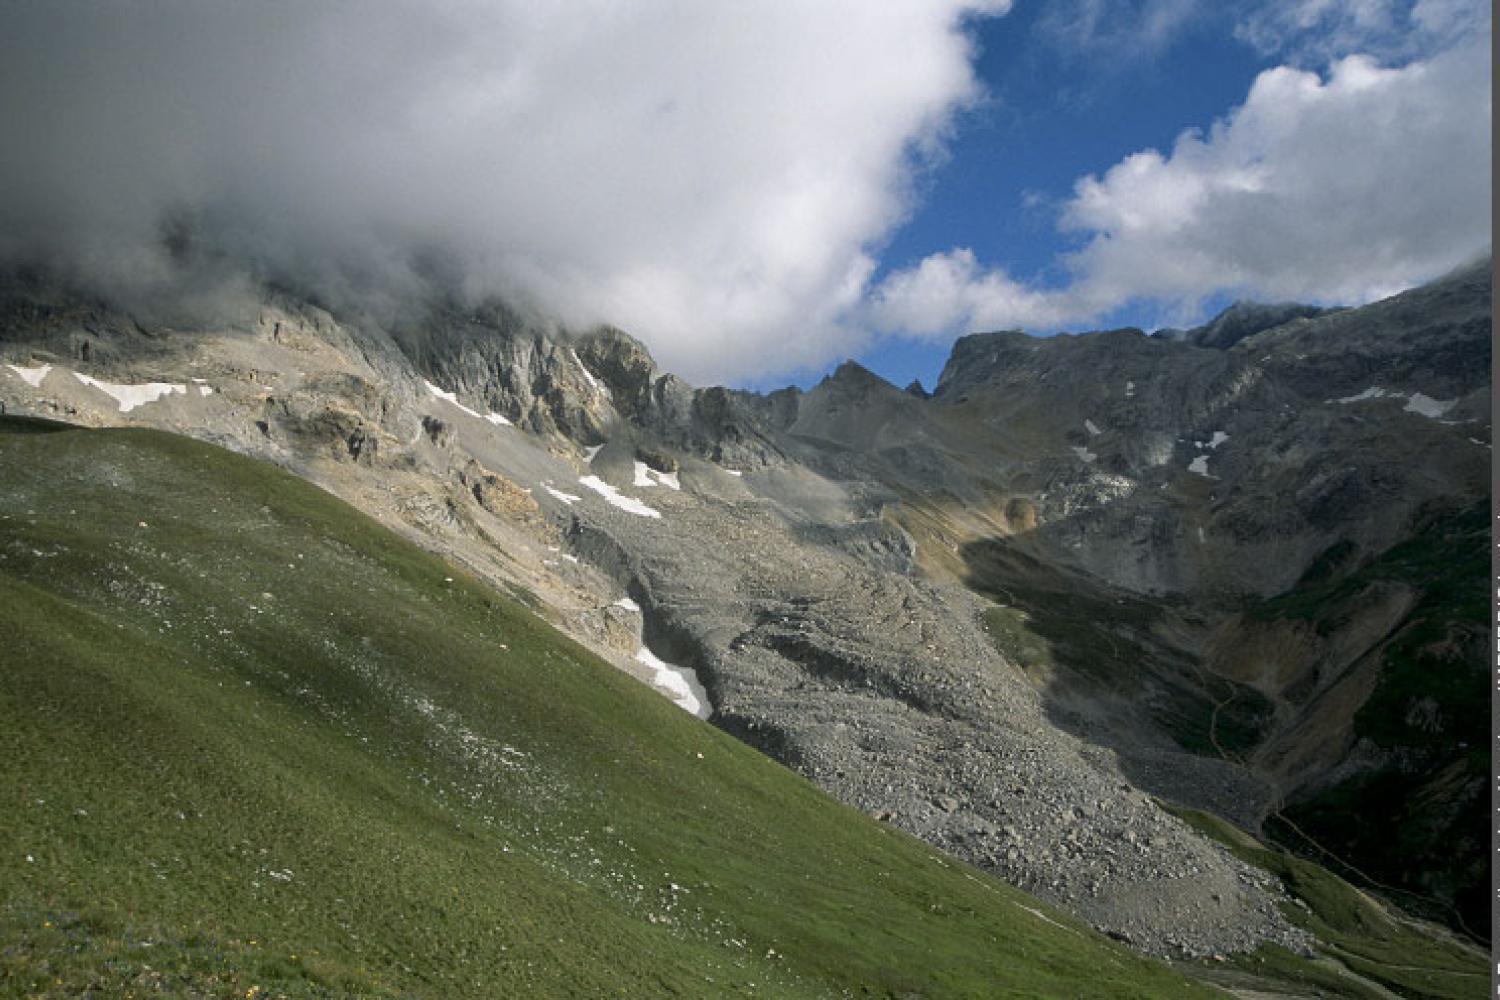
x,y
866,539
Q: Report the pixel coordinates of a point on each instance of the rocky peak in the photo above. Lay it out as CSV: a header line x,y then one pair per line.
x,y
1006,355
623,364
495,358
852,373
1246,319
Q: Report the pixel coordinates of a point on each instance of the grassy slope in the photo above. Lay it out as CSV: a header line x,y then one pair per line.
x,y
253,744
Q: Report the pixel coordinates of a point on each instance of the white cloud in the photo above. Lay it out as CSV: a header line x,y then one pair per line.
x,y
1343,187
1121,30
706,175
1340,187
1319,31
949,292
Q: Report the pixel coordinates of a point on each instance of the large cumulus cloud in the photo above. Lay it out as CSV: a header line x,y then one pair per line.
x,y
711,176
1339,185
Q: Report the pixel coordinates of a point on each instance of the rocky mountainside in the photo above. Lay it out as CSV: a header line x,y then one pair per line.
x,y
1007,617
1263,547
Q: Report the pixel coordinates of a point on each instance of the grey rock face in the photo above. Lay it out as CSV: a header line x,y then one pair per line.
x,y
886,691
1245,319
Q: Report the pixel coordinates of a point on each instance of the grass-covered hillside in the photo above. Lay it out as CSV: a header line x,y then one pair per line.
x,y
252,744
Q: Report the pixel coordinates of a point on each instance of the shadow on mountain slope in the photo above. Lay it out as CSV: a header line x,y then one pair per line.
x,y
1349,695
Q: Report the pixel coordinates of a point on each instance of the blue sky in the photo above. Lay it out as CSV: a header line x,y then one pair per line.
x,y
1052,116
1057,109
758,191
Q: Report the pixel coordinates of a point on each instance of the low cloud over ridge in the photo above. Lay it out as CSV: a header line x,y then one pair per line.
x,y
708,175
717,179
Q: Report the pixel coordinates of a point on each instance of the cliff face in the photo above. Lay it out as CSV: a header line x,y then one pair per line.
x,y
1082,570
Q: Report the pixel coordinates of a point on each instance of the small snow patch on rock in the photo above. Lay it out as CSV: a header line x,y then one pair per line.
x,y
453,398
1374,392
1416,402
128,397
593,382
1429,407
628,504
648,477
679,683
31,376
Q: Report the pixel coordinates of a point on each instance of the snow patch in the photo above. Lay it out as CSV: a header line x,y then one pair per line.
x,y
31,376
1129,389
613,496
1084,453
1416,402
593,382
591,451
1219,438
568,498
1429,407
678,683
204,390
130,396
627,604
452,398
736,473
1092,428
647,476
1374,392
1200,466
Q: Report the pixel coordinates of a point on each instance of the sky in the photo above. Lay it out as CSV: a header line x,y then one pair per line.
x,y
756,191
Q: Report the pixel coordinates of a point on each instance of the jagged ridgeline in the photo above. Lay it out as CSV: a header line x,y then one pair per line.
x,y
1102,616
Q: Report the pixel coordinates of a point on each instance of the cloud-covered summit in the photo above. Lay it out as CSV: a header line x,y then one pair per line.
x,y
711,176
